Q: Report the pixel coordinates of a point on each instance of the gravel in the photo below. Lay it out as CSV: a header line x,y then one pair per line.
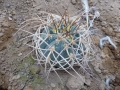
x,y
1,34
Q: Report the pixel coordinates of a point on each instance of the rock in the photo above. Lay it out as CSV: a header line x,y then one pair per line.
x,y
9,88
75,83
34,69
103,28
110,31
8,4
14,83
47,0
2,72
1,34
2,60
13,12
53,85
28,88
73,2
20,54
117,79
119,29
103,23
102,19
87,82
9,18
18,44
97,68
15,77
117,88
95,39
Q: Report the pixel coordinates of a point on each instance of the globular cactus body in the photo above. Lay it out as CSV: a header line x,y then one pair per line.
x,y
57,47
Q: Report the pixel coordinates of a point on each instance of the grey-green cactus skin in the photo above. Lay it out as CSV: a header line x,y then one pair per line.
x,y
61,53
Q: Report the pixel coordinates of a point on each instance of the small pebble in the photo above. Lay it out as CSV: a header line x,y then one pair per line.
x,y
28,88
1,61
119,29
47,0
14,83
20,54
73,2
9,88
3,72
103,23
52,85
8,5
1,34
15,77
10,18
88,82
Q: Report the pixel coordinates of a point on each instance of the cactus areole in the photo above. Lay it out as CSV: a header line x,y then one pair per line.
x,y
60,46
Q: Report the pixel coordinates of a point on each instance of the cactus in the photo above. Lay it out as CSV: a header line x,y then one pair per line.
x,y
60,42
55,46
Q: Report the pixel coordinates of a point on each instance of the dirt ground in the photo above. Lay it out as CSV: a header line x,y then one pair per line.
x,y
18,73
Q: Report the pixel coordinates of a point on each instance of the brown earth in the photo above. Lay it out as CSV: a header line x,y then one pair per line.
x,y
14,12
